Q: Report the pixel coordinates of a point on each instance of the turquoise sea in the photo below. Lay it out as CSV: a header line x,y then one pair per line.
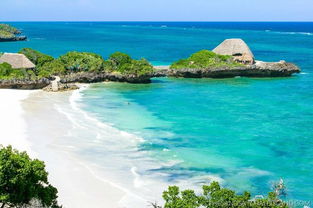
x,y
244,132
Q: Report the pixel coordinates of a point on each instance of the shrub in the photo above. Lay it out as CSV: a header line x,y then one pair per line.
x,y
82,61
48,69
23,179
118,59
7,72
214,196
124,64
36,57
204,59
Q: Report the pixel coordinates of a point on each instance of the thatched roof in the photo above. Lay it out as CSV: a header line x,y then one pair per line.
x,y
237,48
17,61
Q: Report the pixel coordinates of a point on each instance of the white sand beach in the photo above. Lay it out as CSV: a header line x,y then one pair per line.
x,y
30,122
12,124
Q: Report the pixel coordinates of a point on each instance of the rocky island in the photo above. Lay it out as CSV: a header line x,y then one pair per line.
x,y
9,33
231,58
31,69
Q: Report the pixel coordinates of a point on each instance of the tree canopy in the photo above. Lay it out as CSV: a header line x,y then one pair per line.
x,y
73,62
124,64
214,196
82,61
36,57
23,179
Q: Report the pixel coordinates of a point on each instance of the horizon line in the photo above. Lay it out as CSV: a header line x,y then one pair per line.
x,y
283,21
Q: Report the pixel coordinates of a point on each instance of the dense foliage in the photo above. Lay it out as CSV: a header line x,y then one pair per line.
x,y
214,196
72,62
23,179
36,57
82,61
8,73
124,64
48,69
204,59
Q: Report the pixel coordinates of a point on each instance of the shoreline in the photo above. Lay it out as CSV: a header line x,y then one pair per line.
x,y
78,186
52,134
41,128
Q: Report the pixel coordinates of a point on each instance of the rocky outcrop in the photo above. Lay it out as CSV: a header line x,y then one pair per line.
x,y
64,82
259,69
9,33
91,77
24,84
15,38
160,71
61,88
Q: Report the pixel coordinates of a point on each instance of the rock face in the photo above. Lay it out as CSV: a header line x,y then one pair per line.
x,y
259,69
24,84
90,77
16,38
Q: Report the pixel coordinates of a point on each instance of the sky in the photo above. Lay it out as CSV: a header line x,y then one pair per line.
x,y
156,10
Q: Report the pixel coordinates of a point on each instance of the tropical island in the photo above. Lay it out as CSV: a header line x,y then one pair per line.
x,y
9,33
231,58
31,69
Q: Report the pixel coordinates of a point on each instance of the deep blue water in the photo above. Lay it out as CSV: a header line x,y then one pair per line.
x,y
247,132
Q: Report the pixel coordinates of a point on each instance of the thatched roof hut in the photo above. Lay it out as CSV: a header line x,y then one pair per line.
x,y
236,48
17,61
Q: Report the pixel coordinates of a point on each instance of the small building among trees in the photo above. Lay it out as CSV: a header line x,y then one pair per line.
x,y
236,48
17,61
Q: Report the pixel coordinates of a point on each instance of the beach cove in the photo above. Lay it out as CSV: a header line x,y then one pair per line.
x,y
35,133
122,144
90,159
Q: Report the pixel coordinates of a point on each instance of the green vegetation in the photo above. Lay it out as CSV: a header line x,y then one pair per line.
x,y
82,61
36,57
55,67
214,196
9,28
8,73
73,62
8,32
23,179
203,60
124,64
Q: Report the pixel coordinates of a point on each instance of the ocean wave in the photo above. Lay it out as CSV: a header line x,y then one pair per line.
x,y
113,156
290,33
76,97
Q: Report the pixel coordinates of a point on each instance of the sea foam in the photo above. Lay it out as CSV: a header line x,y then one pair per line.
x,y
114,156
